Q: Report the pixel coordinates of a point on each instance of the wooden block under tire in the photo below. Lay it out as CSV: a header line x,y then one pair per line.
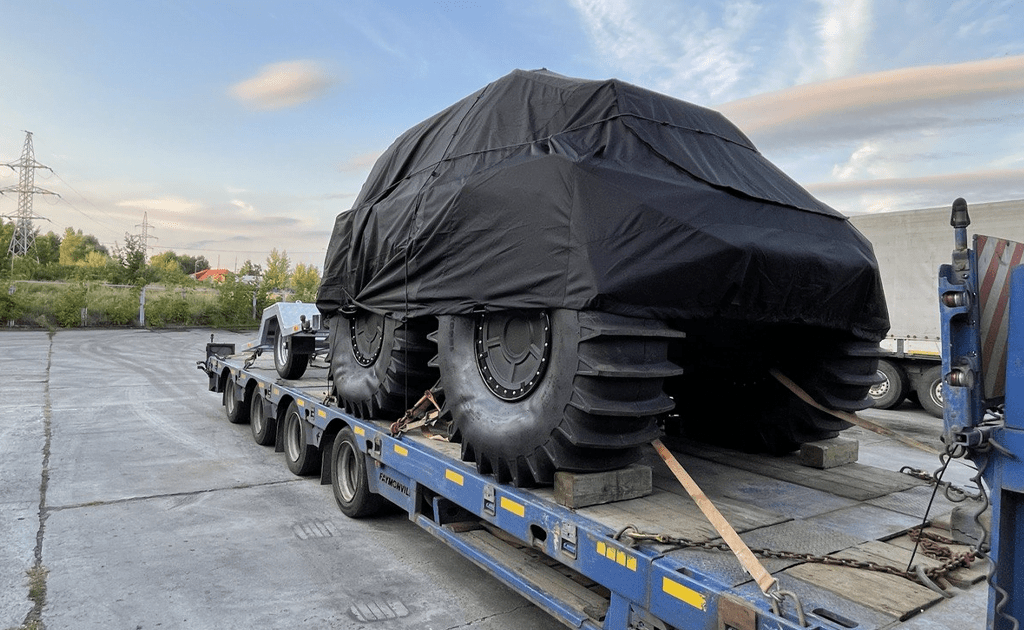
x,y
830,453
576,490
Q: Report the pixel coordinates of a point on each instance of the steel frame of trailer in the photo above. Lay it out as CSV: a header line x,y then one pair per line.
x,y
647,589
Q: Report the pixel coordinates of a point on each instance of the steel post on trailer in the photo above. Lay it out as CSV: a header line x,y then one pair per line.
x,y
981,311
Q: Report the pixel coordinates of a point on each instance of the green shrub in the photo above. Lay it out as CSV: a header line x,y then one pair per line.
x,y
113,306
69,304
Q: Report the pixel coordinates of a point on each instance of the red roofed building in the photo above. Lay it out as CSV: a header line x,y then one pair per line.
x,y
214,275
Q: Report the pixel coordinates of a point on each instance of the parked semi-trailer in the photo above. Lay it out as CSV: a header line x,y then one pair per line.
x,y
909,246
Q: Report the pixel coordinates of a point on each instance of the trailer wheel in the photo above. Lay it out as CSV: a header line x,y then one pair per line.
x,y
380,365
531,393
892,391
348,478
300,455
262,424
929,391
232,406
290,365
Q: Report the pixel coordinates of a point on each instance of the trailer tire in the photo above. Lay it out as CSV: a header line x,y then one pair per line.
x,y
301,456
262,424
290,365
929,390
892,391
233,407
348,478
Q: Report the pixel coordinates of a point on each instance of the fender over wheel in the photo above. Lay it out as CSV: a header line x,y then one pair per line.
x,y
301,456
289,363
531,392
348,478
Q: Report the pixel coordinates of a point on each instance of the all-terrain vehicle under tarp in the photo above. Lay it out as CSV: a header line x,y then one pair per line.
x,y
586,258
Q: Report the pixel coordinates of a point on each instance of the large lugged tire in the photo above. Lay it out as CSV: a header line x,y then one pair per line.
x,y
739,404
380,365
302,457
348,478
290,364
532,393
892,390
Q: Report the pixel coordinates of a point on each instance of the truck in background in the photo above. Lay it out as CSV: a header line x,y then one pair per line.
x,y
909,246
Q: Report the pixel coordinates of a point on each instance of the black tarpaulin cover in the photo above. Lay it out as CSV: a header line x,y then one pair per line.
x,y
543,191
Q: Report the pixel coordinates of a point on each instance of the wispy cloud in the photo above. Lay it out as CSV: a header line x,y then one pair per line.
x,y
690,54
868,99
842,28
904,193
284,84
177,205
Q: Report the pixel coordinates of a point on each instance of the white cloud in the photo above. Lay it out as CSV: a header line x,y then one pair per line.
x,y
843,29
284,84
175,205
686,53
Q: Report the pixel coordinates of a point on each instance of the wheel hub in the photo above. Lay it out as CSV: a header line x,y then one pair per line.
x,y
367,333
512,350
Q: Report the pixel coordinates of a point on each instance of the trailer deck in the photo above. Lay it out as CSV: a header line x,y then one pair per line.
x,y
586,565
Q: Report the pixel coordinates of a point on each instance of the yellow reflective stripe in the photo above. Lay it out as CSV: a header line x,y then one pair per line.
x,y
300,402
512,506
451,475
619,557
401,450
683,593
359,430
276,391
321,413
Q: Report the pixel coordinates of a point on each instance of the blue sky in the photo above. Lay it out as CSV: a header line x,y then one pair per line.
x,y
242,126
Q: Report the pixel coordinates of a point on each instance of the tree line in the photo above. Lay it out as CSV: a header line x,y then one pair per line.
x,y
80,261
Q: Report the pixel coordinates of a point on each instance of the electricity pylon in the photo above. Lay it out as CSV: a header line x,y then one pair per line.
x,y
24,235
144,238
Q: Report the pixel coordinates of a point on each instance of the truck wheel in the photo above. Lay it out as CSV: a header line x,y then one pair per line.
x,y
263,425
290,365
232,406
532,393
348,478
380,365
300,455
929,390
891,392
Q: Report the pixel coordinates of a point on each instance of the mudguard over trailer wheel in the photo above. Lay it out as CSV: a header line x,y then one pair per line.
x,y
290,364
531,393
301,456
348,478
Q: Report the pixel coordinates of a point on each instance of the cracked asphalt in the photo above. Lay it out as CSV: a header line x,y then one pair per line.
x,y
122,479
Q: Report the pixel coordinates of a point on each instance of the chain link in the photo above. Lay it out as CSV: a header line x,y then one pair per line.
x,y
933,544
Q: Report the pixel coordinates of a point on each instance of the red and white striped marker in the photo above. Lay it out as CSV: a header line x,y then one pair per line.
x,y
996,257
